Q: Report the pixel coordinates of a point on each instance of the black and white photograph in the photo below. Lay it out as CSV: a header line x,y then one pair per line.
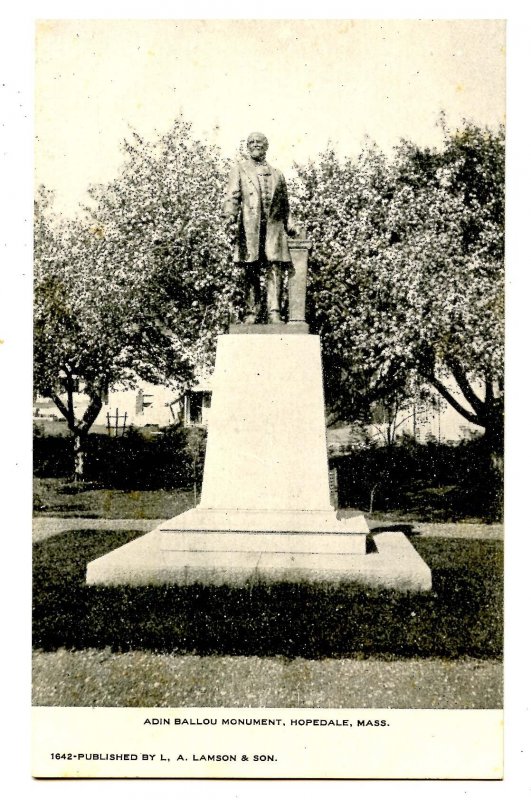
x,y
268,398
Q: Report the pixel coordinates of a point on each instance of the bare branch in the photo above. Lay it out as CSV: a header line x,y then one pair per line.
x,y
450,399
398,424
464,385
64,411
90,414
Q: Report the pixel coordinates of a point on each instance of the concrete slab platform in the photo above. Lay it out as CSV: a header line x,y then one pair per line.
x,y
396,565
264,542
287,521
237,531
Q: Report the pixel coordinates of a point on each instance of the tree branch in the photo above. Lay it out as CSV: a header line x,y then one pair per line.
x,y
489,391
468,393
402,421
94,407
379,432
70,397
450,399
332,417
90,415
64,411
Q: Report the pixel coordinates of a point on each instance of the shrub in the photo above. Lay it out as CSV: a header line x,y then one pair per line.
x,y
432,480
132,461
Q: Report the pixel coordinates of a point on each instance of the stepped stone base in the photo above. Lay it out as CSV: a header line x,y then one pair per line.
x,y
147,561
288,531
276,521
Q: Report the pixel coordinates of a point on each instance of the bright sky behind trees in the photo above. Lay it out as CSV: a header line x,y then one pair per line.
x,y
303,82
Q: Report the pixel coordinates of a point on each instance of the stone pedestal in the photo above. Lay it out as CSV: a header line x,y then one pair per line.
x,y
265,511
266,448
299,250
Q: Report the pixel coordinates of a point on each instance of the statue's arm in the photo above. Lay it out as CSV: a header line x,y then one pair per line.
x,y
233,195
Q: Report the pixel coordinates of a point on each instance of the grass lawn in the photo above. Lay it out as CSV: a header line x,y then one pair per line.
x,y
284,645
102,678
58,498
54,497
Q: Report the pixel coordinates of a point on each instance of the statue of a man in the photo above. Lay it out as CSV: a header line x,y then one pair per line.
x,y
257,209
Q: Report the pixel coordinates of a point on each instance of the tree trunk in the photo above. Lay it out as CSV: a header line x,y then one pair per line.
x,y
487,412
80,432
494,432
493,441
80,428
79,456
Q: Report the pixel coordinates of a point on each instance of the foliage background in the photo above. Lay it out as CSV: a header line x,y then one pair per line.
x,y
405,286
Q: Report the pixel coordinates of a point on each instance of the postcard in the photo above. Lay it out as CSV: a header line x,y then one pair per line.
x,y
268,398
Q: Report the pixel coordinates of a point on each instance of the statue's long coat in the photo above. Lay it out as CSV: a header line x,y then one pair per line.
x,y
243,204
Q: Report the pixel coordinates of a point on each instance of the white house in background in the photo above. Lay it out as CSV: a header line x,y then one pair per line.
x,y
437,421
146,405
196,404
440,422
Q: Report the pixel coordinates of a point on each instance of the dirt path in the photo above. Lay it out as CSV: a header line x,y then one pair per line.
x,y
44,527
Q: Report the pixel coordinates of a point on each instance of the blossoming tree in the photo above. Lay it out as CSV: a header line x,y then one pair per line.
x,y
406,285
138,284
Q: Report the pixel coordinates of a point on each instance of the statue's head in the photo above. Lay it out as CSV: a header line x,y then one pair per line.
x,y
257,145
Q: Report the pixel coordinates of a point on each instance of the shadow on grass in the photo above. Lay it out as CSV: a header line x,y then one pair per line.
x,y
404,527
461,617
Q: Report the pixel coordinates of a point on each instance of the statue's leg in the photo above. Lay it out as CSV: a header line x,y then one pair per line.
x,y
273,286
252,292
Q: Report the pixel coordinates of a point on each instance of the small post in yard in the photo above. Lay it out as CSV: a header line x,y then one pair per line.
x,y
116,424
124,423
371,501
